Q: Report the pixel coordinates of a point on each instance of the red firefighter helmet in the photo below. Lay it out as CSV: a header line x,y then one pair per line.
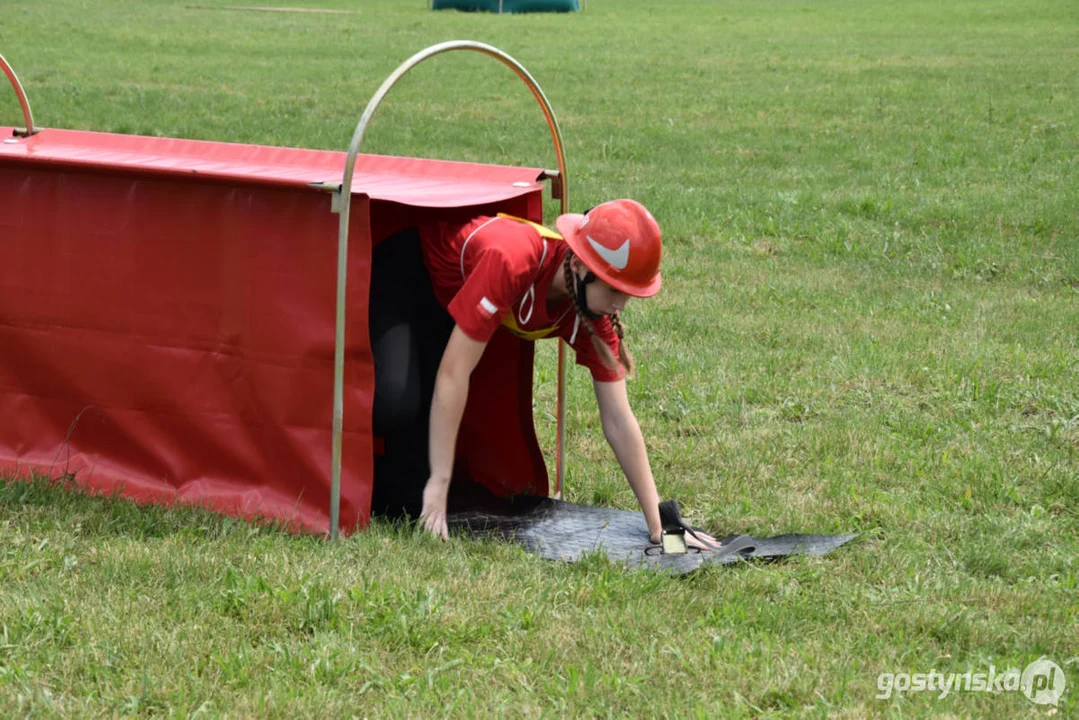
x,y
620,242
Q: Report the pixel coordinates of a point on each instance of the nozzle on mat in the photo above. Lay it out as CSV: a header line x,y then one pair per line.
x,y
673,538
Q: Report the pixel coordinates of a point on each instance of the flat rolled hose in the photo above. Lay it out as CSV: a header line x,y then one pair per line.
x,y
558,530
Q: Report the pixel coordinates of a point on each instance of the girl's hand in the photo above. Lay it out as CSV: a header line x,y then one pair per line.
x,y
705,537
703,544
433,517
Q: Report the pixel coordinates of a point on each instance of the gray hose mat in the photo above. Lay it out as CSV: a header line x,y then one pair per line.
x,y
559,530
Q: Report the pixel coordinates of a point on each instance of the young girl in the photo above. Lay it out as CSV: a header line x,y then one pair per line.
x,y
499,271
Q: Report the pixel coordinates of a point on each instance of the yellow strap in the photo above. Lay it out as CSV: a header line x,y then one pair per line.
x,y
541,229
509,322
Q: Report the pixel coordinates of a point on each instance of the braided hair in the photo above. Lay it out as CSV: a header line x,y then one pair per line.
x,y
625,359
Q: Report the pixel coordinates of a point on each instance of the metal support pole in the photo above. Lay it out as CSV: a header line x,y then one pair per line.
x,y
342,203
27,116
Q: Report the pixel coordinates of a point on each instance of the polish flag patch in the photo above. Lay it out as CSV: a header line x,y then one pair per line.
x,y
488,307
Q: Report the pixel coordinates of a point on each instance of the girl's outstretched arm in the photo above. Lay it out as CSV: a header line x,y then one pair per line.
x,y
624,435
448,405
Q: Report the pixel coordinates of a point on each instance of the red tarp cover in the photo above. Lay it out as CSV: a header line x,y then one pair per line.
x,y
167,320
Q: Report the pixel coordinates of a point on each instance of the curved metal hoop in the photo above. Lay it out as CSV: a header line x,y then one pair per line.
x,y
405,67
342,205
27,116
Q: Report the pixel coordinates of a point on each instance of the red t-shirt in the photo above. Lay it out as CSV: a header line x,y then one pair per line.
x,y
497,271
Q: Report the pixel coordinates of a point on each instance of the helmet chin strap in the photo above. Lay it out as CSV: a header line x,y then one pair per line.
x,y
582,295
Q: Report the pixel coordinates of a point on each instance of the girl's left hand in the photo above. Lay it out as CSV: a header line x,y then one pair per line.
x,y
702,545
695,543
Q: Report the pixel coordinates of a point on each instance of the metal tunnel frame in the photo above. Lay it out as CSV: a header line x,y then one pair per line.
x,y
342,202
27,116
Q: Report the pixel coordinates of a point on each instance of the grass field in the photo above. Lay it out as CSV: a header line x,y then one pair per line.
x,y
869,324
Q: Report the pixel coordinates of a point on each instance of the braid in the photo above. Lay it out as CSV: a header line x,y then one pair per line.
x,y
624,355
624,358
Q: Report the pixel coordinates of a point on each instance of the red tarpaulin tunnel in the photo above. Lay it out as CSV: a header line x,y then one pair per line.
x,y
167,319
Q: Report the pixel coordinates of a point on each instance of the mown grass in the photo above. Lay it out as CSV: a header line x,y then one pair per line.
x,y
868,324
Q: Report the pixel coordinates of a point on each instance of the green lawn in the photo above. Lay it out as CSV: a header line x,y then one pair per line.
x,y
869,323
